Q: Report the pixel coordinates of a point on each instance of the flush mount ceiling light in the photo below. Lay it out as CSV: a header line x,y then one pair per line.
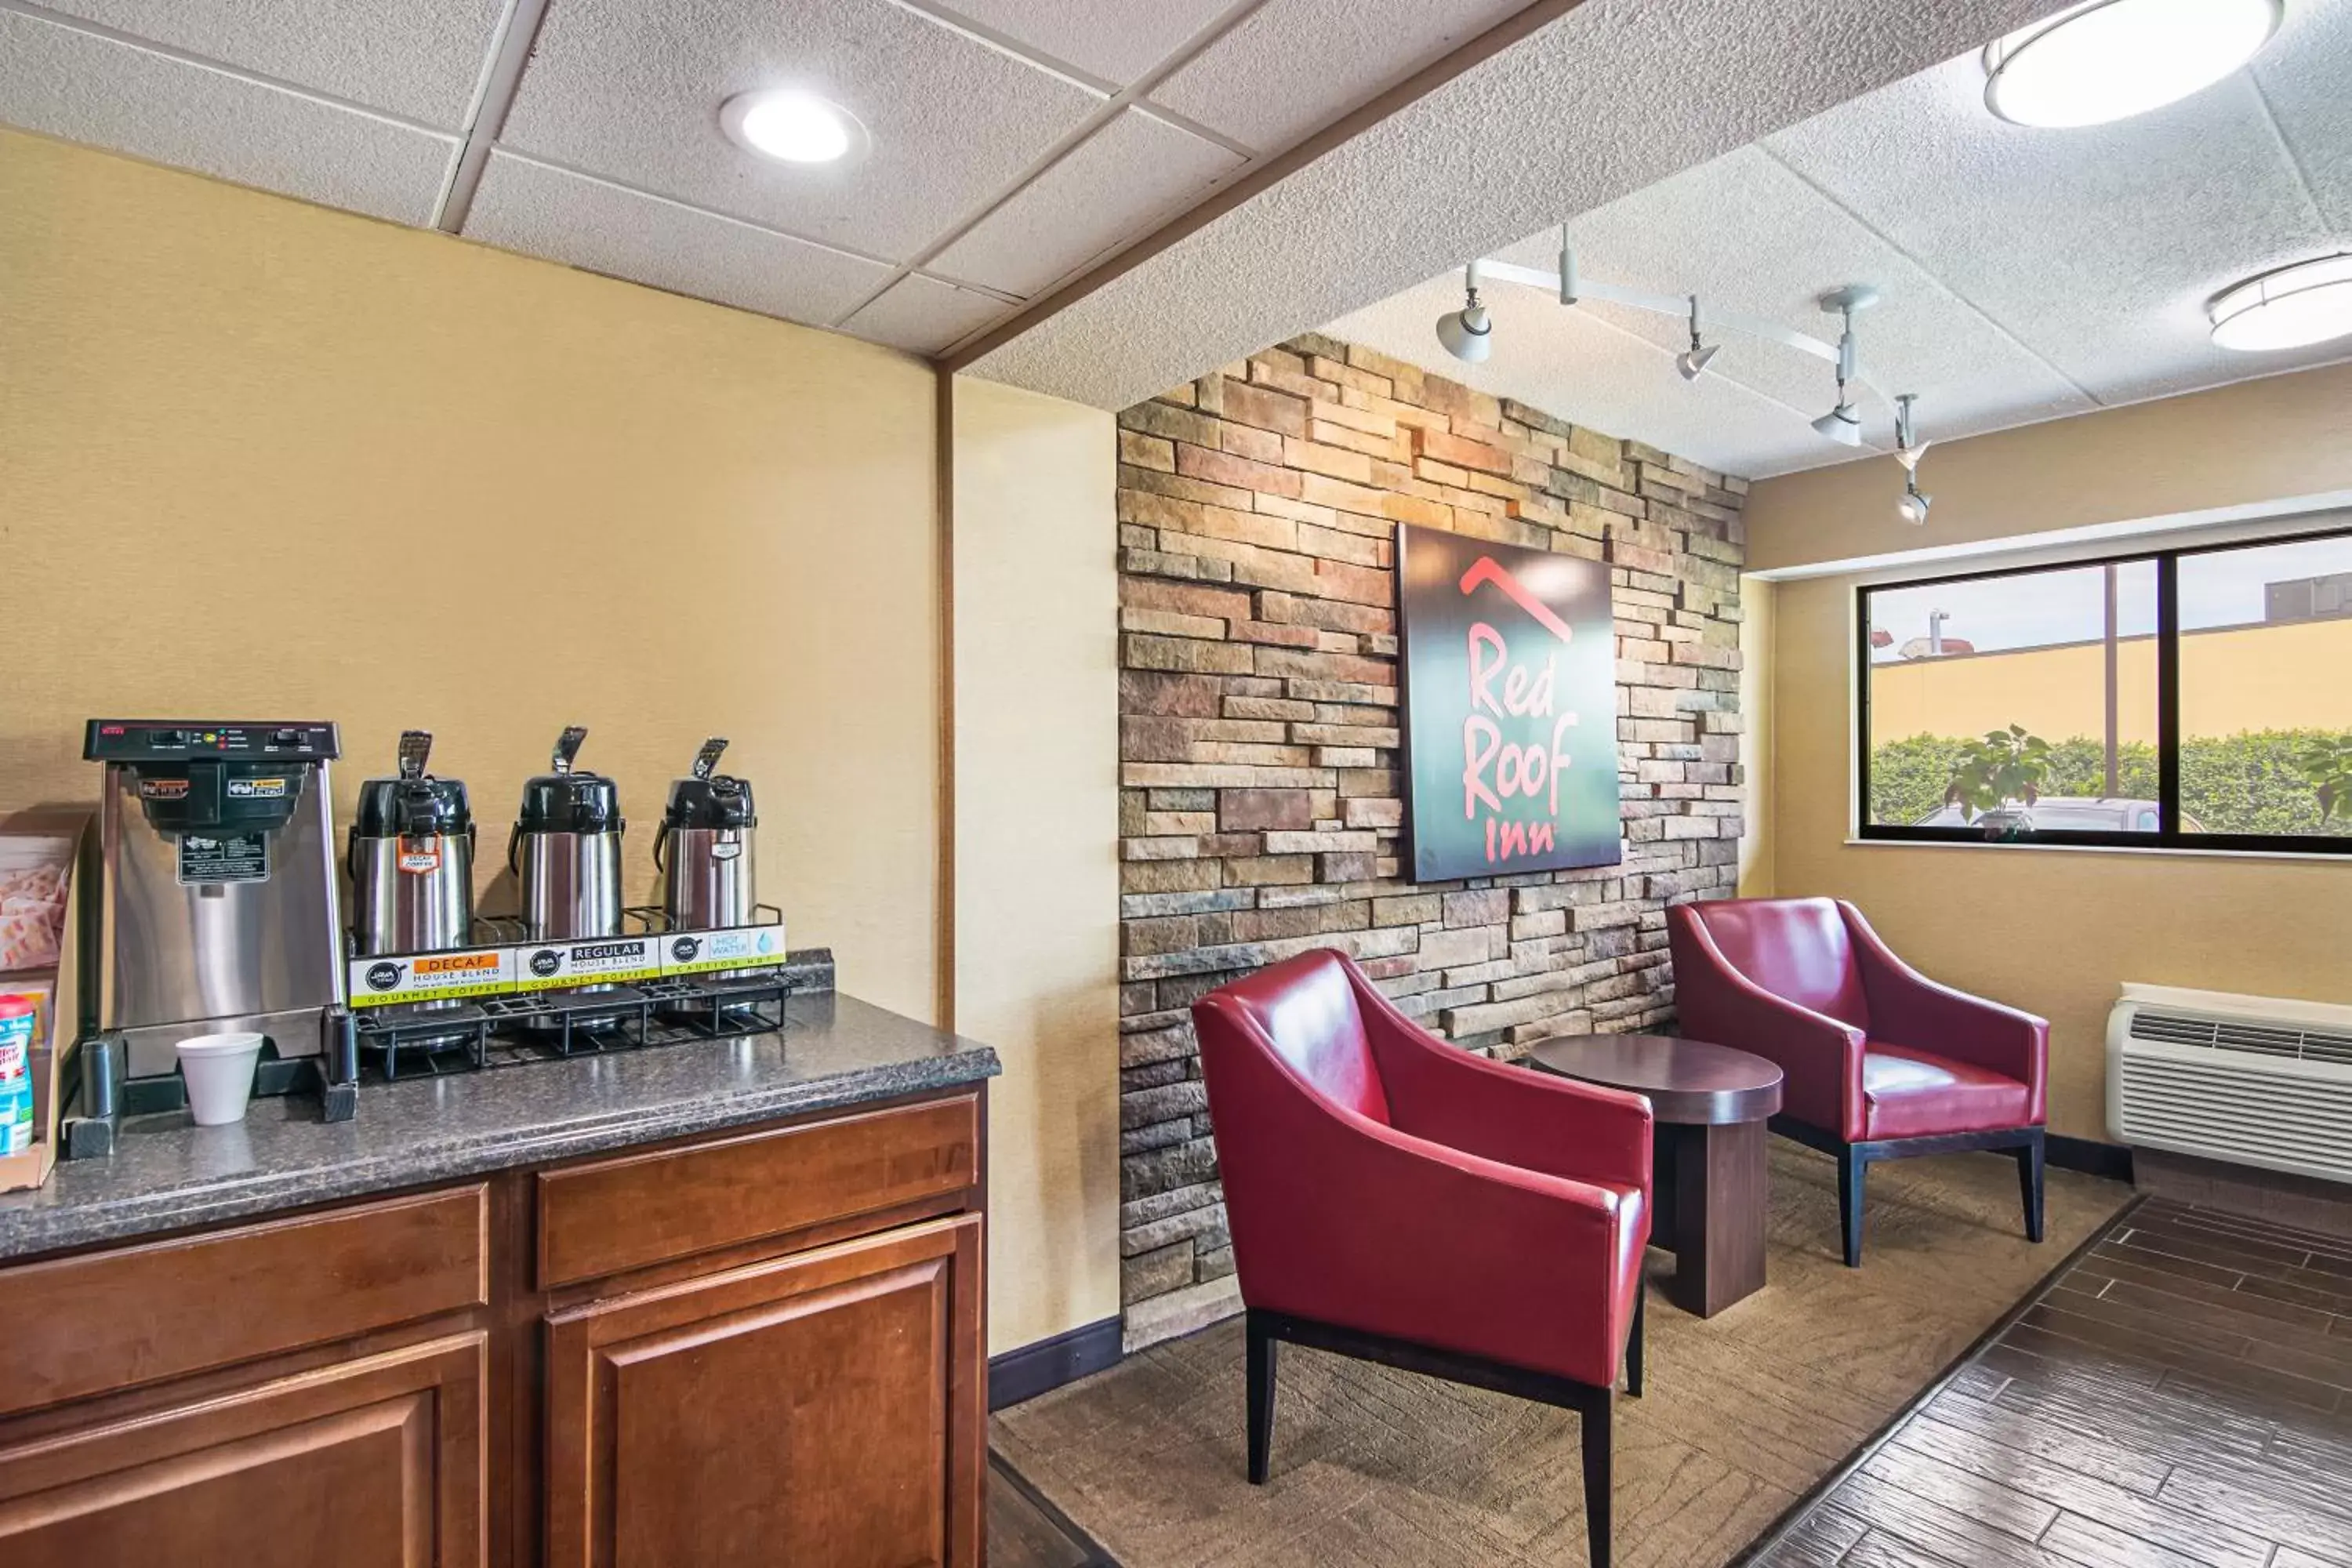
x,y
1467,333
1692,361
2111,60
792,127
2291,307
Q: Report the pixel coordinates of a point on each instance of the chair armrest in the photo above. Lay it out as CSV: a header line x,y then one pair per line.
x,y
1336,1217
1439,1093
1820,1058
1907,1008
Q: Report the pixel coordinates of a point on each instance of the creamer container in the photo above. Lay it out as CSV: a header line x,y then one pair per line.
x,y
18,1015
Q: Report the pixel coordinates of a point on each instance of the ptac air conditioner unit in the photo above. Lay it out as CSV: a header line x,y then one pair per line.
x,y
2255,1080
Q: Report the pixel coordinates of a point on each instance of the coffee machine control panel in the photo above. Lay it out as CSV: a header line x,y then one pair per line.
x,y
178,740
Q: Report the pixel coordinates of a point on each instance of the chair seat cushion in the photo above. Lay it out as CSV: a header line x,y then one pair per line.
x,y
1911,1093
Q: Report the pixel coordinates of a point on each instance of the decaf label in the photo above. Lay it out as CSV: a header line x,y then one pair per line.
x,y
1510,699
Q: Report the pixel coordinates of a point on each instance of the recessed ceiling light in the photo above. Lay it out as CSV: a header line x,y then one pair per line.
x,y
2291,307
792,127
2111,60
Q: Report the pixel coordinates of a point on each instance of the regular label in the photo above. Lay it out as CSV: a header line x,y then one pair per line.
x,y
579,963
223,858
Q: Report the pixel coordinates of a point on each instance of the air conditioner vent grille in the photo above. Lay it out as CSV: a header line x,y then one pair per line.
x,y
2244,1036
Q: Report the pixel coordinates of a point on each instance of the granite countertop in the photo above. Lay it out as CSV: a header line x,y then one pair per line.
x,y
167,1174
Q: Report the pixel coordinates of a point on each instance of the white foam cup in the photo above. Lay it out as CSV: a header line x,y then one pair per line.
x,y
219,1073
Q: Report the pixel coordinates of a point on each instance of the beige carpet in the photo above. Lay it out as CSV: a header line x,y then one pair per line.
x,y
1743,1412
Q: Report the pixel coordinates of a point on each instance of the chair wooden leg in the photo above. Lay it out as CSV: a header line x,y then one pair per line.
x,y
1634,1342
1261,1348
1598,1418
2029,1182
1850,1169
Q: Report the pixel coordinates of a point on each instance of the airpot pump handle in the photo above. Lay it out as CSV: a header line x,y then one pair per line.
x,y
707,758
567,746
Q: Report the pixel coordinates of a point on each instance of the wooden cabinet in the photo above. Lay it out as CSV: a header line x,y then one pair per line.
x,y
815,1408
378,1461
758,1347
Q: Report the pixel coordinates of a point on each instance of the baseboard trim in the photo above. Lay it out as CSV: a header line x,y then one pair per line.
x,y
2088,1155
1046,1364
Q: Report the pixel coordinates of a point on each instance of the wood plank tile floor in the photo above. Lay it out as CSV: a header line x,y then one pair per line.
x,y
2179,1397
1024,1530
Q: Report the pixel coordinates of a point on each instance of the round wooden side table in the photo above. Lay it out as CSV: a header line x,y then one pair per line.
x,y
1708,1188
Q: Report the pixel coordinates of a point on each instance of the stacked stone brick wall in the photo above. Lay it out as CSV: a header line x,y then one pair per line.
x,y
1261,811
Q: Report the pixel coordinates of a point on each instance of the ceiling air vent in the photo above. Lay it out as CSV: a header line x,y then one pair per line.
x,y
2256,1080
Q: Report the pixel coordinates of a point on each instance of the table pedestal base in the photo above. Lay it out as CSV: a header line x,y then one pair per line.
x,y
1710,1189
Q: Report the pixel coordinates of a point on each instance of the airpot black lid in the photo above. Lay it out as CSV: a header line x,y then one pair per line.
x,y
571,803
411,808
719,800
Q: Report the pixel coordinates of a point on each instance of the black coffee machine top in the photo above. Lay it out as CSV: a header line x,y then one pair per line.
x,y
181,740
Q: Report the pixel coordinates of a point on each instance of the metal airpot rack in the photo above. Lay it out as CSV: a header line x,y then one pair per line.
x,y
517,1025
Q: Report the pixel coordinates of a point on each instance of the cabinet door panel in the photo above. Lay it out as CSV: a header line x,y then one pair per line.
x,y
824,1407
377,1463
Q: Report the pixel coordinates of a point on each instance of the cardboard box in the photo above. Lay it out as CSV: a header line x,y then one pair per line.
x,y
61,837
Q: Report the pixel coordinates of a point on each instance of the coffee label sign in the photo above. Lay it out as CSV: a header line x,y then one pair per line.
x,y
1510,707
546,966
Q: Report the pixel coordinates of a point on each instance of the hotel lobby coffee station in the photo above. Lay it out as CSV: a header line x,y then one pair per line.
x,y
359,1226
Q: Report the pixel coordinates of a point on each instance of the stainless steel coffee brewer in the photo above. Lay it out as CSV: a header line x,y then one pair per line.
x,y
565,853
411,860
216,912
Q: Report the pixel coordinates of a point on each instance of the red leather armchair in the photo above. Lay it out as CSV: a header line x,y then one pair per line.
x,y
1394,1198
1880,1061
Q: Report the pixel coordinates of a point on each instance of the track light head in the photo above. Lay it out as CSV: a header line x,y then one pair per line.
x,y
1913,507
1466,332
1842,424
1693,360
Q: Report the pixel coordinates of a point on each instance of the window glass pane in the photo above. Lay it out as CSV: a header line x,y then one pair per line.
x,y
2016,704
2266,690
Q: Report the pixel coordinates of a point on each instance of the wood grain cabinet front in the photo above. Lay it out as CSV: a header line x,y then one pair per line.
x,y
374,1463
821,1408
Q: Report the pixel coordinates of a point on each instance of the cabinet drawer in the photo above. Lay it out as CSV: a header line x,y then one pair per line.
x,y
612,1216
88,1325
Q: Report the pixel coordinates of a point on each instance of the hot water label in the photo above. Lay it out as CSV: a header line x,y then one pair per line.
x,y
739,947
373,982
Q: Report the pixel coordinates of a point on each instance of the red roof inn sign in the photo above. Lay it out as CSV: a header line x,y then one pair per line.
x,y
1510,707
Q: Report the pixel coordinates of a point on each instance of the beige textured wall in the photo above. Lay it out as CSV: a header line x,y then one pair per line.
x,y
260,459
1036,841
2236,446
2054,930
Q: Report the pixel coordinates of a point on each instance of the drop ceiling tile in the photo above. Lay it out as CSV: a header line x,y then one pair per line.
x,y
2302,76
1117,40
1295,65
1750,237
420,59
563,217
631,93
2099,246
66,82
1114,186
923,315
1580,366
